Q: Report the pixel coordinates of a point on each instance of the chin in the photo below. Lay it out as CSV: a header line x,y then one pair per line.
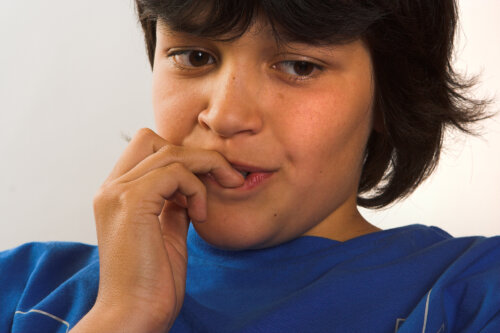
x,y
235,235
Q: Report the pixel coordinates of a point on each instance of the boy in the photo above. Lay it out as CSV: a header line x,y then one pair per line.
x,y
275,119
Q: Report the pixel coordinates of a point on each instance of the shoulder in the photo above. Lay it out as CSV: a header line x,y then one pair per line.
x,y
467,254
51,261
455,259
36,251
466,293
430,239
44,283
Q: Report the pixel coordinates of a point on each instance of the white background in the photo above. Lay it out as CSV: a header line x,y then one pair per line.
x,y
74,78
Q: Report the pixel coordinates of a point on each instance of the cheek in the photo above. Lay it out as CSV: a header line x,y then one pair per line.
x,y
175,108
328,133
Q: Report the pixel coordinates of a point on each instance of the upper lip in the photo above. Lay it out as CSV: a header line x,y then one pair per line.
x,y
249,168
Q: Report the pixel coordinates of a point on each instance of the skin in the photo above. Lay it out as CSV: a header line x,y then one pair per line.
x,y
247,106
243,101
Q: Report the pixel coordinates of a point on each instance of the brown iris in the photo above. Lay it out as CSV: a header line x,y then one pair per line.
x,y
303,68
199,58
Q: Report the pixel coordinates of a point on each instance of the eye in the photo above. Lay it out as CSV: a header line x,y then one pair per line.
x,y
299,70
191,58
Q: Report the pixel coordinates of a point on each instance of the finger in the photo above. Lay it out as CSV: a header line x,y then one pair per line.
x,y
174,225
165,182
198,161
144,143
179,199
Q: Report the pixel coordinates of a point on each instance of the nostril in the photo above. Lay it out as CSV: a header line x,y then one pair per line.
x,y
203,124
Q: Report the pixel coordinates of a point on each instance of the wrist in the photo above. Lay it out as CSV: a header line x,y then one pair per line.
x,y
116,319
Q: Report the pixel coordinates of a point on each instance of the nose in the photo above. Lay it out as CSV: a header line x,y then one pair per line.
x,y
232,104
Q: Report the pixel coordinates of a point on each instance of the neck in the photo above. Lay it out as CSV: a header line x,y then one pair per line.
x,y
344,224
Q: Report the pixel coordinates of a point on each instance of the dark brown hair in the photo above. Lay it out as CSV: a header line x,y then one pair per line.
x,y
417,93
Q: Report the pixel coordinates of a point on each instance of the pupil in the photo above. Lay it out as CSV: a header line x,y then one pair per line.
x,y
198,58
303,68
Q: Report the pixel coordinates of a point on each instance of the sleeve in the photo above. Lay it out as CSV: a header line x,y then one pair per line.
x,y
493,325
472,297
43,285
16,266
466,297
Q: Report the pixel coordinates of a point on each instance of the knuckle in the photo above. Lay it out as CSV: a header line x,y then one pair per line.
x,y
169,150
99,196
118,201
144,133
213,154
216,156
108,196
176,167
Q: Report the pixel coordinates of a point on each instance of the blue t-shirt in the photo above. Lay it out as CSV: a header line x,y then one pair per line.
x,y
408,279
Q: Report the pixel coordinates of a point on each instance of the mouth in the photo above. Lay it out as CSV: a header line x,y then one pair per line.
x,y
254,177
246,170
244,173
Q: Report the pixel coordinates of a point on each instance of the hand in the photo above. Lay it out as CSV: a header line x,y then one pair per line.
x,y
142,214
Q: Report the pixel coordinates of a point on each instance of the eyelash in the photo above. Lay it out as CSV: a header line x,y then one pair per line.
x,y
293,77
186,52
297,77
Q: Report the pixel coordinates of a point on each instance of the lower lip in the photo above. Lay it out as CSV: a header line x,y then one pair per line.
x,y
252,181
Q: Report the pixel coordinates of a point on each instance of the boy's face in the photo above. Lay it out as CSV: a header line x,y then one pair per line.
x,y
298,117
